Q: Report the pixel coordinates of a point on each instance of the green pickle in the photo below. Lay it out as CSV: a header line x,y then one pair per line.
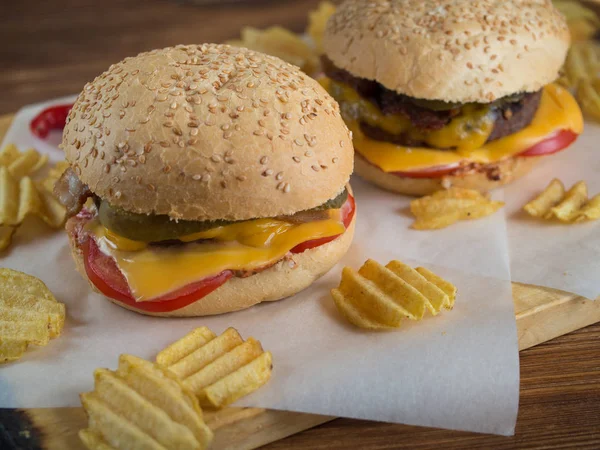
x,y
150,228
156,228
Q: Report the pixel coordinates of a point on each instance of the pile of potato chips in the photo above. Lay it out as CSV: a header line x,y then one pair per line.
x,y
21,196
580,71
142,405
289,46
446,207
219,370
567,206
378,297
29,314
158,405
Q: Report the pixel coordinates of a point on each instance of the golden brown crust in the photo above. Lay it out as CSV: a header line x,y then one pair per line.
x,y
505,171
452,50
284,279
206,132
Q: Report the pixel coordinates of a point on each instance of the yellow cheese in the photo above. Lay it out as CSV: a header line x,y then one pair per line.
x,y
155,271
558,110
468,131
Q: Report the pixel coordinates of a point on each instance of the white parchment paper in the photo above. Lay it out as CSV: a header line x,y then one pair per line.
x,y
552,254
458,370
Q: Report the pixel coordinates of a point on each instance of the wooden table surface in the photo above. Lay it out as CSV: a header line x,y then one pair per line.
x,y
50,49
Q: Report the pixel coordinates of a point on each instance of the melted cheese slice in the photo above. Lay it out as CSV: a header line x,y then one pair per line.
x,y
557,111
153,271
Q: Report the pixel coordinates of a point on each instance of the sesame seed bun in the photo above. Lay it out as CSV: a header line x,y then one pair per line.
x,y
205,132
284,279
505,171
452,50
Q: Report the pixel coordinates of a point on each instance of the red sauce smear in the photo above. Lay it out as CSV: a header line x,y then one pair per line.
x,y
52,118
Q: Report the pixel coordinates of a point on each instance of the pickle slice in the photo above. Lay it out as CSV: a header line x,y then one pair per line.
x,y
150,228
155,228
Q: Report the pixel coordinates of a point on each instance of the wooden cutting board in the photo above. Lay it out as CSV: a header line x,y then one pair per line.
x,y
541,314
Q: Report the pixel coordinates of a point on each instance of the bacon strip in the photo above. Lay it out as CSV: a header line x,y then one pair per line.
x,y
71,192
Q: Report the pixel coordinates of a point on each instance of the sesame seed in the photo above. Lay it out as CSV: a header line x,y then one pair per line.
x,y
315,168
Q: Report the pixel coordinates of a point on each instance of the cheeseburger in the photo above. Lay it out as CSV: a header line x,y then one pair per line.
x,y
450,92
217,178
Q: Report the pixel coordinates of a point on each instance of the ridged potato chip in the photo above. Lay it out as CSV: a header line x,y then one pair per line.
x,y
141,405
445,207
581,69
379,298
582,21
218,369
588,96
567,206
580,73
278,41
20,198
29,314
317,20
8,154
21,164
6,234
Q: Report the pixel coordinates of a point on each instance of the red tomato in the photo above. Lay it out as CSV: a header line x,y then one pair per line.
x,y
102,270
347,211
555,143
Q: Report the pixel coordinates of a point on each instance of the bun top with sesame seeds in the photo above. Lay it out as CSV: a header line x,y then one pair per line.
x,y
451,50
206,132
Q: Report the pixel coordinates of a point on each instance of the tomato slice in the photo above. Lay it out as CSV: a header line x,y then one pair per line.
x,y
555,143
104,273
347,211
102,270
552,144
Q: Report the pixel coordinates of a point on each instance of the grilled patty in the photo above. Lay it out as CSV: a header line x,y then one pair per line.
x,y
511,114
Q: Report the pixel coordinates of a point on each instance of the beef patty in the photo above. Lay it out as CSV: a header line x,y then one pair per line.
x,y
512,113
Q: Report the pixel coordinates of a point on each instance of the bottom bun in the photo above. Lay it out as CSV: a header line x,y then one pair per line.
x,y
504,172
284,279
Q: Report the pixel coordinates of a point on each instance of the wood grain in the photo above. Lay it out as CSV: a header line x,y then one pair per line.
x,y
50,49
